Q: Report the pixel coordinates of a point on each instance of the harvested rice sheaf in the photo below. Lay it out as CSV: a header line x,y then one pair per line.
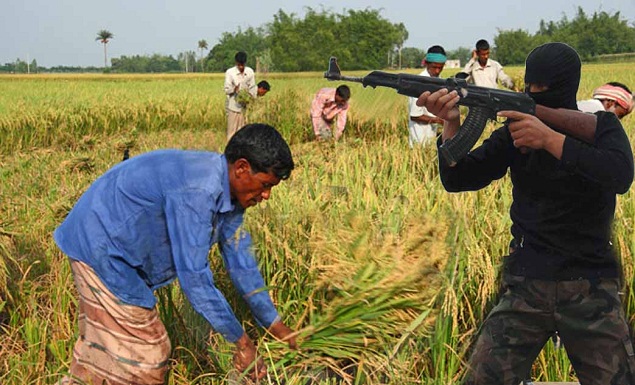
x,y
374,291
244,98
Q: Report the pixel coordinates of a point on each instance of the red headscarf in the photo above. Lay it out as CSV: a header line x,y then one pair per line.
x,y
619,94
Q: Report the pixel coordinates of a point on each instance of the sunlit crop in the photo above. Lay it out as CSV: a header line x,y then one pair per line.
x,y
386,276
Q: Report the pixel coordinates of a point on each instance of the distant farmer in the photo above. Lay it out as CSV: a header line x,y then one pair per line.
x,y
612,97
329,108
152,219
257,110
240,84
422,125
263,88
485,72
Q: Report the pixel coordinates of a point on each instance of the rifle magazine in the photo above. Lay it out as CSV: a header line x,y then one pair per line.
x,y
455,149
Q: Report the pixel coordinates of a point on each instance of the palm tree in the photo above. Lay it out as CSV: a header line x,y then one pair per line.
x,y
202,45
104,37
402,36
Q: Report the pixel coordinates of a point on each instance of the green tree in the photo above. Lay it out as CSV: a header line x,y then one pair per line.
x,y
221,56
186,61
146,64
368,36
513,46
305,44
411,57
104,36
359,39
462,53
283,29
202,45
265,60
598,34
20,66
402,35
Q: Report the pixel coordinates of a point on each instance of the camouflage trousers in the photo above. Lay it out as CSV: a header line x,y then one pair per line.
x,y
586,314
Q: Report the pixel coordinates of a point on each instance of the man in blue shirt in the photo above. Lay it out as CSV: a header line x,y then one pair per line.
x,y
154,218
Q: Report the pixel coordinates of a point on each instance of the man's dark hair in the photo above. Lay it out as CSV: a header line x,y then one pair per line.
x,y
241,57
343,91
264,84
436,49
622,86
482,45
263,147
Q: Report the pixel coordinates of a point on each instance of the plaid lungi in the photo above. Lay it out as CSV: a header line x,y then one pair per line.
x,y
118,344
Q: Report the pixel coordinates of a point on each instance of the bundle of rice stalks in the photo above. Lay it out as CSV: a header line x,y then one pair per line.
x,y
244,98
374,292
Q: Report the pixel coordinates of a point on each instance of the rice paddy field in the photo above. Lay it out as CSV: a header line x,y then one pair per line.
x,y
386,276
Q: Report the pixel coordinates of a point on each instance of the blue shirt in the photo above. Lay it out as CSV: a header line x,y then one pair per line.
x,y
154,218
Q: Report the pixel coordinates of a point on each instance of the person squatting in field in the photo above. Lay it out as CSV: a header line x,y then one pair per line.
x,y
562,273
329,107
151,219
263,88
422,125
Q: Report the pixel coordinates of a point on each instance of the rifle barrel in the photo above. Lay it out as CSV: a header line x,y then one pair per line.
x,y
344,78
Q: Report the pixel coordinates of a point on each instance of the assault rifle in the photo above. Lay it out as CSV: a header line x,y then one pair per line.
x,y
483,103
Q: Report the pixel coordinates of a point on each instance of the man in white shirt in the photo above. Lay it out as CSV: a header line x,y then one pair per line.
x,y
612,97
238,79
422,125
485,72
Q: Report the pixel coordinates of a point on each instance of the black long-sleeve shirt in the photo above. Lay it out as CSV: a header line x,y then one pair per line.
x,y
562,210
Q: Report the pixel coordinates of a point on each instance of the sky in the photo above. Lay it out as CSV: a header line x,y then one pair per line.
x,y
63,32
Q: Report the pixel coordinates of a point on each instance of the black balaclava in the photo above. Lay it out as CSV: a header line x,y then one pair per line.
x,y
556,65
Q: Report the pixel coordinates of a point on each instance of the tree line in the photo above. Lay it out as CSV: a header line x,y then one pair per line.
x,y
363,39
20,66
360,38
592,36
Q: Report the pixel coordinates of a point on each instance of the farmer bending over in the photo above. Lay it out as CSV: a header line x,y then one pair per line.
x,y
154,218
330,107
